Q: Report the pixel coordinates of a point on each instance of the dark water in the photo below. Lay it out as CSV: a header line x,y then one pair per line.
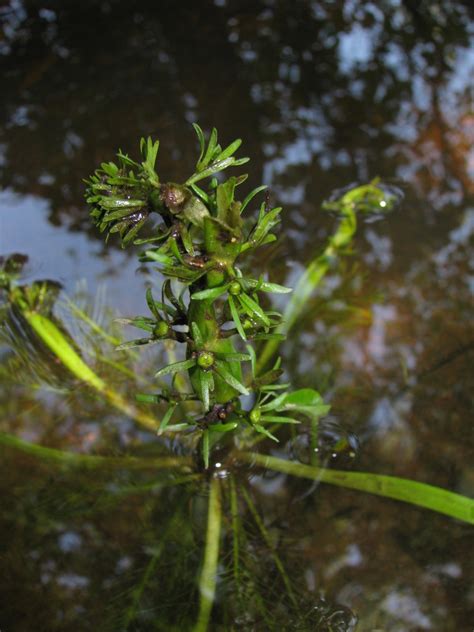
x,y
323,94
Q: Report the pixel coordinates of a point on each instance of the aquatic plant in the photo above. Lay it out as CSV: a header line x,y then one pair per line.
x,y
224,395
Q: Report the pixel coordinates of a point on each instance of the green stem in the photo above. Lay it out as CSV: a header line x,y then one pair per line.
x,y
413,492
268,542
87,461
55,340
234,510
203,313
207,581
309,281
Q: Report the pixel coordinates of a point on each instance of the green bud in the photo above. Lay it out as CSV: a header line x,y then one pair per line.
x,y
205,359
161,329
234,288
248,324
254,415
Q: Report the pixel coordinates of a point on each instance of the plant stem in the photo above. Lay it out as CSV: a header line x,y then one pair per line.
x,y
88,461
413,492
309,281
268,542
207,581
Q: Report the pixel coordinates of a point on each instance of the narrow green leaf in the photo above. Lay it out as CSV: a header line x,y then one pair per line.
x,y
184,365
166,418
234,357
206,382
197,335
259,428
232,425
269,336
265,225
200,193
154,305
139,342
229,378
126,206
176,428
159,257
250,197
213,292
210,149
236,318
253,309
253,359
279,420
229,150
264,286
140,322
202,142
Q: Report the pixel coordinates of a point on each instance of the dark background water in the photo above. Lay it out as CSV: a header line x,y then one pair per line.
x,y
323,94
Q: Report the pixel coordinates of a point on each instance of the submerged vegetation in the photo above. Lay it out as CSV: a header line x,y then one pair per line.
x,y
224,396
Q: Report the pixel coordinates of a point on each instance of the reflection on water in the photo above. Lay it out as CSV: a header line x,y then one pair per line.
x,y
323,94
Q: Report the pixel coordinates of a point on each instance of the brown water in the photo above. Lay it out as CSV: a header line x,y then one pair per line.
x,y
322,94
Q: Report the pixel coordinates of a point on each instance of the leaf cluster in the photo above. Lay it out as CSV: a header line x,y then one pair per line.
x,y
207,302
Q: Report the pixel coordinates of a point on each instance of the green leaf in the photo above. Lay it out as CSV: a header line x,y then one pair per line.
x,y
141,322
210,293
253,359
262,430
154,306
176,367
187,240
413,492
197,335
166,418
279,420
264,286
232,425
230,149
229,378
176,428
139,342
269,336
202,142
265,225
202,195
253,309
195,211
236,318
215,167
206,382
250,197
225,197
234,357
208,156
154,255
306,401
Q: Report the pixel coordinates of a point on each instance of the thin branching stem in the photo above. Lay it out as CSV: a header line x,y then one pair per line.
x,y
268,542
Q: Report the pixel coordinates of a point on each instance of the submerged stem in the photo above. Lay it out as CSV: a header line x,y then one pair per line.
x,y
268,542
208,579
89,461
